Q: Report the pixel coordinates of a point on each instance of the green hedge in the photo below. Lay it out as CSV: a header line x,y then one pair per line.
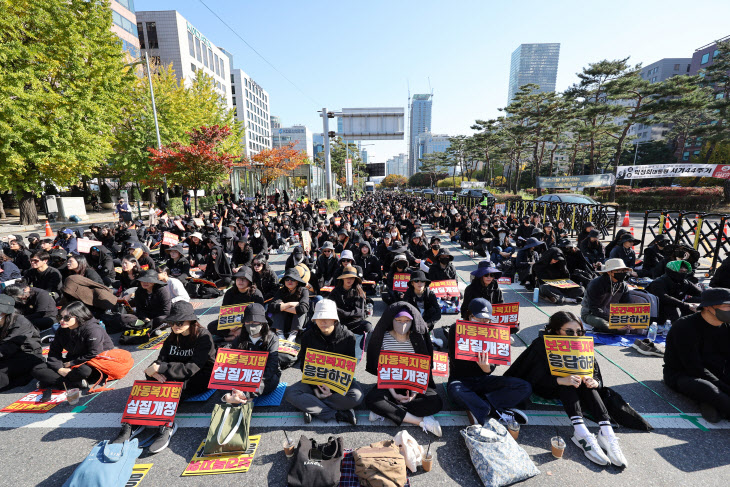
x,y
665,198
332,205
175,206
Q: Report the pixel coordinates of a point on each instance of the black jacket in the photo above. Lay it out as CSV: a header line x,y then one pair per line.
x,y
155,306
476,289
370,264
267,283
39,304
82,344
234,296
340,341
437,273
428,301
50,279
219,268
179,269
326,268
601,293
182,357
543,269
21,337
350,306
284,296
269,343
242,257
593,251
653,257
103,263
671,288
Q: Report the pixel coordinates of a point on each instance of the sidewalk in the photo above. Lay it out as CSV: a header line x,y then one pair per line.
x,y
11,224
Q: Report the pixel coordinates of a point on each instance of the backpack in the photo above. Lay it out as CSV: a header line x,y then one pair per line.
x,y
380,465
107,465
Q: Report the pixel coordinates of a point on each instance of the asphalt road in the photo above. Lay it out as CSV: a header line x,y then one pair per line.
x,y
43,449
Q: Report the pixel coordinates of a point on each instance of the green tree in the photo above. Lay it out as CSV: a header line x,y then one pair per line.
x,y
63,86
488,140
433,164
419,180
394,181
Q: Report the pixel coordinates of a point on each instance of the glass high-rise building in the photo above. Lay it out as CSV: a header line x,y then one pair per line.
x,y
534,63
420,118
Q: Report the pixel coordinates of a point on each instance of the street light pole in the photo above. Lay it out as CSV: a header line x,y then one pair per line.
x,y
157,125
327,165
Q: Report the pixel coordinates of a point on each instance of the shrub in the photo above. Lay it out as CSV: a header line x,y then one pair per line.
x,y
665,198
452,181
332,205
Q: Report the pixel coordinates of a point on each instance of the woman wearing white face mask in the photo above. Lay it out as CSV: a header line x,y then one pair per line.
x,y
402,329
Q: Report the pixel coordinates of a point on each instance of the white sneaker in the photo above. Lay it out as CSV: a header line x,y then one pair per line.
x,y
570,300
508,415
375,417
437,341
610,444
430,425
591,449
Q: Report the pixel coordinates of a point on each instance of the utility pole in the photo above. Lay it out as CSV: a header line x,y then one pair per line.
x,y
157,126
327,166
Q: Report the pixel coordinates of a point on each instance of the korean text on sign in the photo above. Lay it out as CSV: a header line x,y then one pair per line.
x,y
218,464
561,283
170,239
472,338
440,364
399,370
31,403
506,314
633,315
231,316
569,355
445,289
400,282
239,369
151,403
289,348
329,369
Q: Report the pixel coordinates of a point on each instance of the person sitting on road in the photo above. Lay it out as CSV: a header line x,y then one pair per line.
x,y
20,255
654,254
20,346
442,267
264,278
290,306
347,259
420,296
242,253
178,265
483,285
36,305
326,265
187,355
613,243
101,260
574,391
129,276
624,251
527,257
402,329
329,336
78,265
695,358
8,270
151,301
592,249
41,275
243,291
370,265
672,289
174,286
472,385
551,266
399,265
586,232
581,271
350,299
608,288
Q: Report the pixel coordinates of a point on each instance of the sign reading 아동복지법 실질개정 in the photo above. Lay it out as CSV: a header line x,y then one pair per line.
x,y
238,369
400,281
445,289
591,181
473,338
507,314
397,370
152,403
440,364
569,355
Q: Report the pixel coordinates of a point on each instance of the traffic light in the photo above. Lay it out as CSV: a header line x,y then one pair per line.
x,y
332,134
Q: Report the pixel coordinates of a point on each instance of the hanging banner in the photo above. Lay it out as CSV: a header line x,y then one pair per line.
x,y
445,289
348,171
473,184
399,370
472,338
152,403
83,245
633,315
722,171
329,369
651,171
400,281
591,181
238,369
569,355
227,463
506,314
170,239
231,316
440,364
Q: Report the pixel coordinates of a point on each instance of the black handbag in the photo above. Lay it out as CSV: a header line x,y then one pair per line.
x,y
315,464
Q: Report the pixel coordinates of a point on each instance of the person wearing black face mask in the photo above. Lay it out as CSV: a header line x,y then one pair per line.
x,y
696,355
672,288
654,254
606,289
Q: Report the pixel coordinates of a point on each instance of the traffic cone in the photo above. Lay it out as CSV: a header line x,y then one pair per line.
x,y
666,224
626,222
49,232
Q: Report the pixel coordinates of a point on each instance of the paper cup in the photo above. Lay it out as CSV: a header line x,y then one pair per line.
x,y
73,396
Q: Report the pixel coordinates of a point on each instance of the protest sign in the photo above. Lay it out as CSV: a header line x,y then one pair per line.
x,y
289,347
238,369
139,471
199,222
227,463
83,245
152,403
504,280
31,403
445,289
329,369
440,364
506,314
569,355
170,239
326,289
633,315
231,316
155,343
561,283
307,241
400,281
323,211
500,207
338,220
399,370
179,225
472,338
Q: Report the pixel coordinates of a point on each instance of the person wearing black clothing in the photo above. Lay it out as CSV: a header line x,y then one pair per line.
x,y
78,265
177,265
381,250
36,305
217,266
399,265
244,291
581,271
525,230
442,267
472,385
41,275
483,240
420,296
258,243
20,346
130,273
297,257
672,290
242,253
82,338
18,253
328,335
186,204
654,254
151,300
290,306
551,266
624,251
695,358
326,265
370,265
585,233
608,288
527,256
8,270
349,297
264,278
416,248
197,250
101,260
484,285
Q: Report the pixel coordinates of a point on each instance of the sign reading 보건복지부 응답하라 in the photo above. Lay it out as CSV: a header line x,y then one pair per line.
x,y
231,316
398,370
473,338
329,369
633,315
238,369
569,355
591,181
152,403
289,347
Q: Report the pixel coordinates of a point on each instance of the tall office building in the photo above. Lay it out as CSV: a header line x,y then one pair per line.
x,y
170,39
124,25
251,108
397,165
275,122
317,146
533,63
429,143
420,122
299,134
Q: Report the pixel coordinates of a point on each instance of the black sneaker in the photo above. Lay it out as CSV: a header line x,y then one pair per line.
x,y
128,432
647,347
346,416
47,395
162,439
307,417
710,413
505,416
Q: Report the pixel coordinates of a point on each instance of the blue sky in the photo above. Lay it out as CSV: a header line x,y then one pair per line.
x,y
361,54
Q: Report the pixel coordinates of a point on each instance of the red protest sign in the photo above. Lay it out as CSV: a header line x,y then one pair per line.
x,y
323,211
445,289
472,338
31,403
506,314
179,225
400,281
504,280
399,370
440,364
326,289
83,245
238,369
170,239
152,403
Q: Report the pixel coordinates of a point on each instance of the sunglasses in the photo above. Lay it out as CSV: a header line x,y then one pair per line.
x,y
326,251
34,261
258,265
65,318
572,333
177,323
491,275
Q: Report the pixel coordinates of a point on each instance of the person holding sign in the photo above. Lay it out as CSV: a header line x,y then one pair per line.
x,y
328,337
290,306
576,391
395,287
550,267
484,285
402,329
609,287
673,289
243,292
421,297
472,385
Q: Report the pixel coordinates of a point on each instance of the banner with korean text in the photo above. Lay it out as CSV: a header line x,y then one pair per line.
x,y
440,364
472,338
170,239
569,355
226,463
400,281
507,314
445,289
238,369
152,403
329,369
633,315
399,370
231,316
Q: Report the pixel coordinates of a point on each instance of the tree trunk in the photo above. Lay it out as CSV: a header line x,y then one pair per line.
x,y
195,198
28,212
726,190
2,209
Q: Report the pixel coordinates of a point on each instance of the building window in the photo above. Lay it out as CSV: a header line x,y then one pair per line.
x,y
705,58
235,112
696,153
232,79
192,67
233,89
685,156
197,49
140,35
205,57
234,101
676,67
223,70
210,57
217,65
152,35
191,44
716,53
128,4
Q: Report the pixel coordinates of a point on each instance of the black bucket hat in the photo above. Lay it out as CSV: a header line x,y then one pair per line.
x,y
398,248
181,311
150,276
254,313
178,248
419,276
292,274
7,304
245,273
714,297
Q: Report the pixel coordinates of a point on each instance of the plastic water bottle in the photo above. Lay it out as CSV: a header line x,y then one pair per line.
x,y
378,289
667,327
536,295
652,331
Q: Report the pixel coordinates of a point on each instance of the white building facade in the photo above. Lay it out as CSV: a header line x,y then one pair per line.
x,y
251,108
299,134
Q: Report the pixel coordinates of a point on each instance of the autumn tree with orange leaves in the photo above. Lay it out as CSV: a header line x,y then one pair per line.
x,y
197,165
270,164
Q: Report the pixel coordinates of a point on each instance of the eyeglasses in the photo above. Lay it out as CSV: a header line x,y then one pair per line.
x,y
572,333
65,318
